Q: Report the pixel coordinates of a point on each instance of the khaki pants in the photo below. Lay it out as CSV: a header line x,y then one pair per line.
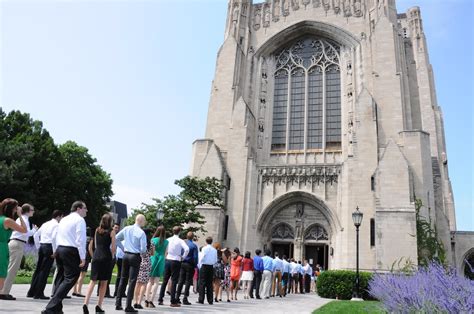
x,y
266,284
16,250
276,283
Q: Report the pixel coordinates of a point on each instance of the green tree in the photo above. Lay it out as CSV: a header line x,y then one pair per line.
x,y
429,246
180,210
34,169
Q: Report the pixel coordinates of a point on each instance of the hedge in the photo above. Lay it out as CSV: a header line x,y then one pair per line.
x,y
340,284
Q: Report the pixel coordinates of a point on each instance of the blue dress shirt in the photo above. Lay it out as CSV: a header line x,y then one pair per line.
x,y
267,263
257,263
192,256
134,239
286,267
277,264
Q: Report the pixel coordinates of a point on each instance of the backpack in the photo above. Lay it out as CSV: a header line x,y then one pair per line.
x,y
219,270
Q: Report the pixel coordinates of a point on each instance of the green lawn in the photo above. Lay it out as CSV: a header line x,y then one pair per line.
x,y
353,307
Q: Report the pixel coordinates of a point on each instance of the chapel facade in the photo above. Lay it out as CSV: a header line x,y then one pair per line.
x,y
318,107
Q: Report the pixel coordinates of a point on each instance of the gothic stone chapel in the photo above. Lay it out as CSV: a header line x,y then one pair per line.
x,y
319,106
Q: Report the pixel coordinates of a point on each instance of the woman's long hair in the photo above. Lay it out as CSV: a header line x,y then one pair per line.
x,y
237,253
8,207
160,233
105,224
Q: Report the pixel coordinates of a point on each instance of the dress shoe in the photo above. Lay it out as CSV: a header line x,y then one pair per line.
x,y
98,309
78,295
108,296
8,297
138,306
258,297
175,305
68,297
118,308
130,310
186,302
85,310
29,296
160,302
43,297
199,302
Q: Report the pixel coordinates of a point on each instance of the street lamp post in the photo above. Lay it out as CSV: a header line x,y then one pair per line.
x,y
159,215
357,219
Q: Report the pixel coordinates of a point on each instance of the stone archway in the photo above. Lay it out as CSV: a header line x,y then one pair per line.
x,y
288,220
468,264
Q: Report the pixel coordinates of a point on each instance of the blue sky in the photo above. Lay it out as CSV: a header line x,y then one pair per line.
x,y
130,80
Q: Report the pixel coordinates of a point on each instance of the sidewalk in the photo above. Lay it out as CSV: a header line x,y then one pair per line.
x,y
300,303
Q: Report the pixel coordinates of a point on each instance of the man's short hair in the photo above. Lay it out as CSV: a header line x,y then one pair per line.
x,y
276,254
57,213
26,208
268,252
190,235
76,205
258,252
176,230
209,240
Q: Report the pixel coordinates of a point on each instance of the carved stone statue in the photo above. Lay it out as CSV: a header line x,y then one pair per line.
x,y
286,7
276,10
306,2
266,16
358,8
295,5
346,5
336,6
326,5
316,3
235,13
257,17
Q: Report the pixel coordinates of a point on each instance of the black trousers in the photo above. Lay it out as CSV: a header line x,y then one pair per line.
x,y
119,275
257,279
301,279
67,261
307,283
185,278
206,275
43,266
172,269
130,267
285,279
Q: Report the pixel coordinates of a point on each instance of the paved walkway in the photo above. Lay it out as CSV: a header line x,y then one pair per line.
x,y
300,303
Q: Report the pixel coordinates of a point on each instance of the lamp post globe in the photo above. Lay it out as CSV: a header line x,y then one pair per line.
x,y
159,215
357,219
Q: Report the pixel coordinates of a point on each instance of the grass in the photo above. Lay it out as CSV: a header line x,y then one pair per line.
x,y
353,307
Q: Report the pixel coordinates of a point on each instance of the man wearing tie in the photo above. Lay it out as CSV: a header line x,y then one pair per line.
x,y
45,239
177,251
70,254
207,260
134,243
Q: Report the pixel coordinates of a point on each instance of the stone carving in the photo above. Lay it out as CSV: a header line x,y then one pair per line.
x,y
266,16
358,8
251,50
306,2
285,4
326,5
276,11
317,233
263,100
235,13
295,5
336,5
346,7
300,174
260,141
257,17
316,3
283,231
299,210
261,126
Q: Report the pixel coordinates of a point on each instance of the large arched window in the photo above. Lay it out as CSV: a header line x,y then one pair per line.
x,y
307,97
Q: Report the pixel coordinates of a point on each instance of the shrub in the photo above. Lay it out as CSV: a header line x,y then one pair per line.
x,y
341,284
431,289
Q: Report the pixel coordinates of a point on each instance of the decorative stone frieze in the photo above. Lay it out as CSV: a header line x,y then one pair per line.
x,y
300,174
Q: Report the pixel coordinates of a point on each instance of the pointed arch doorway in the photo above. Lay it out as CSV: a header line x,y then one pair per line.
x,y
282,240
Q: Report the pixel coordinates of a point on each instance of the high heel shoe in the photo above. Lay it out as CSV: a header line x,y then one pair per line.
x,y
85,309
215,300
98,309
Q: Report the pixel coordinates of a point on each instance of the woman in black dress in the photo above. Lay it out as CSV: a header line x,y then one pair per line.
x,y
102,249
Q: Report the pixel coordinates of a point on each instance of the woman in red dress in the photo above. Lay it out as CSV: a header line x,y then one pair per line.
x,y
235,272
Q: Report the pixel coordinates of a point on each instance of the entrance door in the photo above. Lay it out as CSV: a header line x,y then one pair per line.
x,y
317,254
282,249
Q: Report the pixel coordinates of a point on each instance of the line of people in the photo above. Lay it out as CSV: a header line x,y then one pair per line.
x,y
142,258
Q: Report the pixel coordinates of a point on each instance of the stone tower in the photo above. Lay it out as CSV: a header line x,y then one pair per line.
x,y
317,107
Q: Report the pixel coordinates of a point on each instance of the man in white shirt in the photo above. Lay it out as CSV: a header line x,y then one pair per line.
x,y
177,251
308,271
16,247
206,272
44,239
293,276
70,252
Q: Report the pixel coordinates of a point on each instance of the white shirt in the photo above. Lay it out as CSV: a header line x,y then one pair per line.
x,y
293,266
29,231
175,247
72,232
208,256
307,269
47,233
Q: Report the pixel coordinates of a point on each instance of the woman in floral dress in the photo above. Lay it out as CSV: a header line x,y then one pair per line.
x,y
225,283
143,273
